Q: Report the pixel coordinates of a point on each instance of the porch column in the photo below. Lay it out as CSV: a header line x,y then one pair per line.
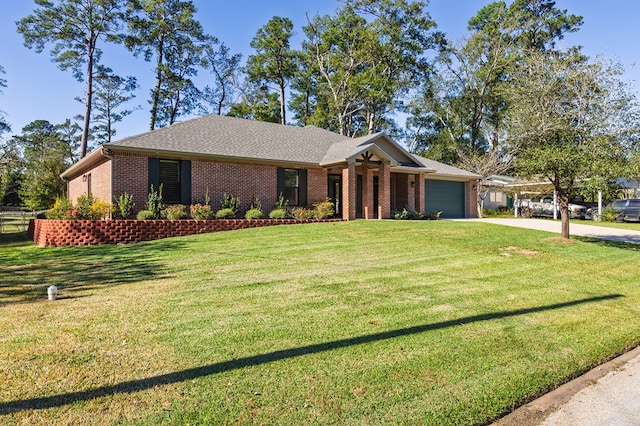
x,y
420,198
411,192
384,191
349,192
367,192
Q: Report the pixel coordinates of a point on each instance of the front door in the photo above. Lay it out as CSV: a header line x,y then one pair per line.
x,y
335,193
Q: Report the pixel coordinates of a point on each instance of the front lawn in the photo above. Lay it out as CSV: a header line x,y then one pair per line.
x,y
363,322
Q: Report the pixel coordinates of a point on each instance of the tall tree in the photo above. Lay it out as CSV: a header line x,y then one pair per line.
x,y
258,104
4,126
167,31
46,153
369,56
74,28
571,121
225,68
274,61
111,92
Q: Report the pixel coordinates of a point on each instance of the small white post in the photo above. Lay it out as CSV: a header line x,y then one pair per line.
x,y
600,202
52,292
516,204
555,204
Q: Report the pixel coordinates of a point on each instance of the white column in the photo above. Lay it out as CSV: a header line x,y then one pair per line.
x,y
555,204
599,202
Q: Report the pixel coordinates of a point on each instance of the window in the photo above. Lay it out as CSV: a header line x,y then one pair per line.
x,y
496,197
175,178
292,186
292,183
170,181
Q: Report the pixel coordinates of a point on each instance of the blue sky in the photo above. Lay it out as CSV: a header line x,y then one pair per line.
x,y
37,89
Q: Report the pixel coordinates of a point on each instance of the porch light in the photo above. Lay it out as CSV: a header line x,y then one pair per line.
x,y
413,184
84,178
474,187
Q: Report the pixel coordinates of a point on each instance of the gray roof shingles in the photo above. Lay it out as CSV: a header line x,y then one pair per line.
x,y
223,136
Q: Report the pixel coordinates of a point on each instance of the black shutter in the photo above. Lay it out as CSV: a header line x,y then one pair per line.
x,y
302,187
185,182
154,173
280,182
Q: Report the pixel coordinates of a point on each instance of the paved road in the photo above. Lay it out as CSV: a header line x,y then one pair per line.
x,y
607,395
583,230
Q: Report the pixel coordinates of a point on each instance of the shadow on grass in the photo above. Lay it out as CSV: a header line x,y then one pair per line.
x,y
626,243
29,270
207,370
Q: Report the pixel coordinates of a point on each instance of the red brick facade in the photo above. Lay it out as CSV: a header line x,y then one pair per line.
x,y
97,181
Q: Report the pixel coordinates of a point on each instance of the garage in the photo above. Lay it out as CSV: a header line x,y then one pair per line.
x,y
445,196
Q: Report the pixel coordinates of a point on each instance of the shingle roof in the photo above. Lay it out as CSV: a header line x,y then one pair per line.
x,y
444,169
222,136
239,138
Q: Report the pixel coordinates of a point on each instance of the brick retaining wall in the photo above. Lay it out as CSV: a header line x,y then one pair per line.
x,y
58,233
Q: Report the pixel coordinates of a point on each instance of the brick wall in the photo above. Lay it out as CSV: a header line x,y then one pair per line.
x,y
58,233
99,177
131,175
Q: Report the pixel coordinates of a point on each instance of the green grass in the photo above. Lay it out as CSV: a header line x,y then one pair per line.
x,y
364,322
634,226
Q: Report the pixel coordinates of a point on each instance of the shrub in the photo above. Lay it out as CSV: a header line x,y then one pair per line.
x,y
124,206
100,209
608,214
175,212
83,208
323,209
201,212
225,214
61,210
230,202
278,214
253,214
281,203
407,214
145,215
301,213
154,202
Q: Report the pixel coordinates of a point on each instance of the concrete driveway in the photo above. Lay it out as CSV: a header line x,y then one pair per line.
x,y
579,229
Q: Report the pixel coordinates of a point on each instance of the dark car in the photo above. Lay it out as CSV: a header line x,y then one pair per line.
x,y
627,210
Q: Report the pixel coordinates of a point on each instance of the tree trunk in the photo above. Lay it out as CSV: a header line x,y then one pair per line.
x,y
156,90
87,99
564,216
283,119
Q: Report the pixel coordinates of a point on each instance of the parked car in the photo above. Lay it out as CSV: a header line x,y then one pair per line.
x,y
627,210
543,207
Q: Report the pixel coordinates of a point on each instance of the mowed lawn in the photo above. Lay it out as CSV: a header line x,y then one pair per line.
x,y
365,322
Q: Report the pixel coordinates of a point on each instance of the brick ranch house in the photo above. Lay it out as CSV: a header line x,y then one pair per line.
x,y
366,177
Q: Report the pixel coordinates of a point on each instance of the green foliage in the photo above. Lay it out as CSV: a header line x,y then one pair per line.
x,y
608,214
230,202
145,215
323,209
154,202
225,213
499,212
175,212
84,209
278,214
407,214
168,31
255,210
281,203
124,206
253,214
75,28
61,210
274,61
201,211
301,213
